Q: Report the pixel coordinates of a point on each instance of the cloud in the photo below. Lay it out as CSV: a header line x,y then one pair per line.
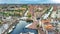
x,y
56,1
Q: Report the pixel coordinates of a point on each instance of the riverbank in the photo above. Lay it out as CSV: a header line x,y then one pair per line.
x,y
13,24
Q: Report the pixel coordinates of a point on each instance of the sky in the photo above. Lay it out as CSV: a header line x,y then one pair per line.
x,y
28,1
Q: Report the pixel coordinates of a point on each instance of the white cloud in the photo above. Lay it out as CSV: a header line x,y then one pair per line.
x,y
56,1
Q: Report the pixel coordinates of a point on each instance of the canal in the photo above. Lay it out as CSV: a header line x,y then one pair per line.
x,y
20,27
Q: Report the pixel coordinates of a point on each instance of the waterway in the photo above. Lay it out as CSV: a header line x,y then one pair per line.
x,y
20,27
50,32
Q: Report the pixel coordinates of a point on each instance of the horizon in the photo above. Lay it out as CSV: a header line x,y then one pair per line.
x,y
29,2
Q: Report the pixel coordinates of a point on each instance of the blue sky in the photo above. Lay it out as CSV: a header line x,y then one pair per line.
x,y
28,1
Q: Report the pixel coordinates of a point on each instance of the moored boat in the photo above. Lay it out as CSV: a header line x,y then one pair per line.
x,y
27,33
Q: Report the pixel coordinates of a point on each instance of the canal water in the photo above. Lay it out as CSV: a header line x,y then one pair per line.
x,y
51,32
20,27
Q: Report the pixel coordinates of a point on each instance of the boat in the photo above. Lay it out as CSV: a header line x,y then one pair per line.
x,y
27,33
28,25
21,33
31,33
10,30
13,27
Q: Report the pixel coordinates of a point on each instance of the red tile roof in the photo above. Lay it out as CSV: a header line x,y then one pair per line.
x,y
45,21
54,8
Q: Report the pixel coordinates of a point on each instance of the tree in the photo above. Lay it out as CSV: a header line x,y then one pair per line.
x,y
38,26
29,15
0,22
8,33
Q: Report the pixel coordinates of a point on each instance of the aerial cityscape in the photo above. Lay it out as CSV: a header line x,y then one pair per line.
x,y
29,19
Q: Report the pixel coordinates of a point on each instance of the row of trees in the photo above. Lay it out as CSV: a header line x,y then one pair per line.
x,y
13,13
